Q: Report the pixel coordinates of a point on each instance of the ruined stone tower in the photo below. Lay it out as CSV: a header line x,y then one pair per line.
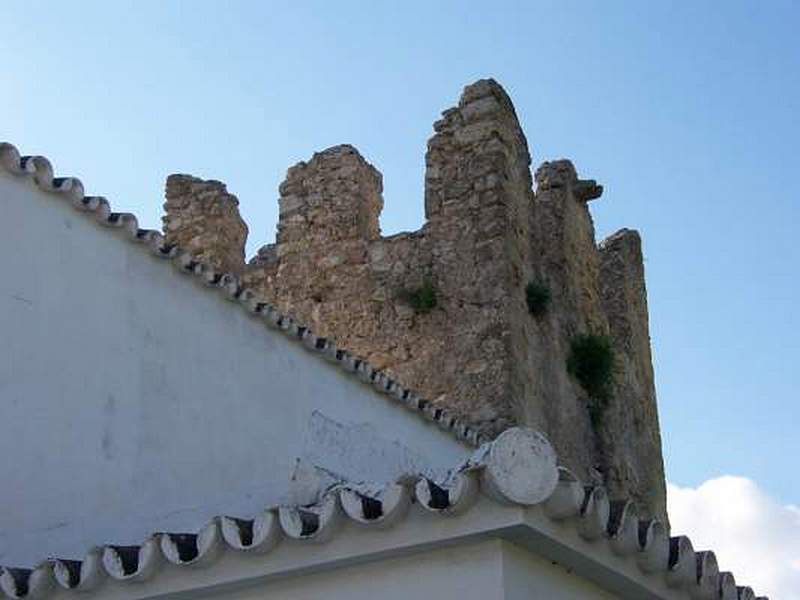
x,y
472,345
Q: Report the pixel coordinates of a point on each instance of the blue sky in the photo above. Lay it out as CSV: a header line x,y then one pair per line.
x,y
686,112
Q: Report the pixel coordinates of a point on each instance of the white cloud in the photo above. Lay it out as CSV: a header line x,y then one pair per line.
x,y
752,535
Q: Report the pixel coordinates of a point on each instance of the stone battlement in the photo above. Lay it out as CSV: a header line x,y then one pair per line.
x,y
205,218
443,309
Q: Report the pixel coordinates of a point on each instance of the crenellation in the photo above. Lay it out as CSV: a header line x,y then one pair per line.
x,y
203,218
564,242
631,437
336,196
472,347
477,185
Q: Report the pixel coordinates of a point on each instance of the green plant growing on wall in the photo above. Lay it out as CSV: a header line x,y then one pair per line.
x,y
591,362
422,299
537,295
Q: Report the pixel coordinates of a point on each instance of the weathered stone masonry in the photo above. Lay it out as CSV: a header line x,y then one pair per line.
x,y
487,234
203,217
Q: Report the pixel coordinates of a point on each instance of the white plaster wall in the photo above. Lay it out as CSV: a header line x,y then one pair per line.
x,y
488,569
458,573
133,399
527,576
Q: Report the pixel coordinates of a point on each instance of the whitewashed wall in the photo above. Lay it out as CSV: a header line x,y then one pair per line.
x,y
468,569
133,400
489,570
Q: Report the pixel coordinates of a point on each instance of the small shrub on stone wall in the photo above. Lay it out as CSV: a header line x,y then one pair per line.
x,y
537,295
591,362
422,299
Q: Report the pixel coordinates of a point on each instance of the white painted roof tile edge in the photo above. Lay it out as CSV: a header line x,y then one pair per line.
x,y
510,489
39,170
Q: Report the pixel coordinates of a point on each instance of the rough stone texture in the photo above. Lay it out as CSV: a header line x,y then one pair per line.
x,y
600,291
203,218
630,435
487,234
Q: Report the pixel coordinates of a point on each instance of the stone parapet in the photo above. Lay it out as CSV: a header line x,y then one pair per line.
x,y
203,218
443,310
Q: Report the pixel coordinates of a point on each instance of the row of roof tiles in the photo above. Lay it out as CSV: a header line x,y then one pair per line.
x,y
517,468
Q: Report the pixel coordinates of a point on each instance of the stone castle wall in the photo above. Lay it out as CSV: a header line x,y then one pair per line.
x,y
488,233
